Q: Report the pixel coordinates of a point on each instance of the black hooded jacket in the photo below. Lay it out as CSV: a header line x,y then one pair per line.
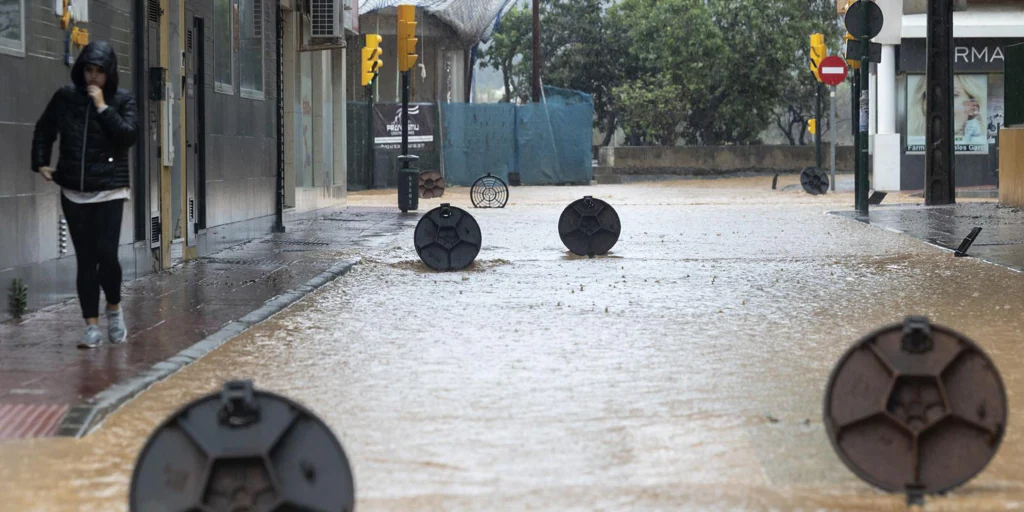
x,y
94,146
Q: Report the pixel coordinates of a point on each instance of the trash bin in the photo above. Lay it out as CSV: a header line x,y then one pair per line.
x,y
408,183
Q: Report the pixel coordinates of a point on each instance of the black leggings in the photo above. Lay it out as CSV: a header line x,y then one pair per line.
x,y
95,230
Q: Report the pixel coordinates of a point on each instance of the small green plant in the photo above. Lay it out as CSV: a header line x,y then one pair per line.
x,y
18,298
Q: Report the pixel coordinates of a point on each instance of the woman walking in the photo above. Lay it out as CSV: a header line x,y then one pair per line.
x,y
96,123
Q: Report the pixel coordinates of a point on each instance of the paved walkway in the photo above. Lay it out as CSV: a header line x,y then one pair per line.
x,y
50,387
1001,240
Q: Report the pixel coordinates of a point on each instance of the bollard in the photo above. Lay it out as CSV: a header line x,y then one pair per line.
x,y
489,192
814,181
915,408
589,227
242,450
447,238
408,183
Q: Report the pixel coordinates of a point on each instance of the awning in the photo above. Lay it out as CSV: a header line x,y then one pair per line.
x,y
1002,21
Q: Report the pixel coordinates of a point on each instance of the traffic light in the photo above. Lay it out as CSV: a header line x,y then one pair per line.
x,y
818,52
371,58
812,126
852,60
407,37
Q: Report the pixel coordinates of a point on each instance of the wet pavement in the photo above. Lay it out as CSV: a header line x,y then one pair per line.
x,y
682,371
1001,240
48,386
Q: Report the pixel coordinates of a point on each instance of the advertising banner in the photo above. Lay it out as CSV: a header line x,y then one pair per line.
x,y
971,115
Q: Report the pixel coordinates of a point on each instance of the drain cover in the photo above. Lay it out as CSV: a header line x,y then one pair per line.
x,y
589,226
242,450
814,181
915,408
447,238
489,192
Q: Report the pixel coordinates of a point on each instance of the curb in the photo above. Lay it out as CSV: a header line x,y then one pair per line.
x,y
82,418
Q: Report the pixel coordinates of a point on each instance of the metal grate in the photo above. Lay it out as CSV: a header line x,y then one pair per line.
x,y
257,18
155,225
295,242
252,261
154,11
191,209
323,14
189,41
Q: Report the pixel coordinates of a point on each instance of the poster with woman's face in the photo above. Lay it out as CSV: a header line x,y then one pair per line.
x,y
970,113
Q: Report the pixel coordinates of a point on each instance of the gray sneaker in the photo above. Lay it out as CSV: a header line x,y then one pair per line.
x,y
117,330
92,337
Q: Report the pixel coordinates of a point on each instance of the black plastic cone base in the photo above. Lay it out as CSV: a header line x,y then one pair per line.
x,y
489,192
589,227
814,181
242,449
447,238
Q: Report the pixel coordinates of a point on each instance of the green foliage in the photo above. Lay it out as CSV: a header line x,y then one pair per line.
x,y
18,299
720,70
651,109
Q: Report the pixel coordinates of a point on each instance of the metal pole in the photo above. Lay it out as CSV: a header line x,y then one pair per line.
x,y
536,51
817,120
371,180
832,128
855,123
862,146
939,176
405,116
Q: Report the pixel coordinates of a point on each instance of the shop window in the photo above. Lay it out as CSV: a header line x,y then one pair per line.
x,y
12,27
225,37
250,58
971,113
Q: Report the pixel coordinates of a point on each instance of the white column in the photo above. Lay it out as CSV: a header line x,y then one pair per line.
x,y
887,91
886,157
872,107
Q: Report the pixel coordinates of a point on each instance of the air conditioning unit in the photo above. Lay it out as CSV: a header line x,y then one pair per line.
x,y
327,19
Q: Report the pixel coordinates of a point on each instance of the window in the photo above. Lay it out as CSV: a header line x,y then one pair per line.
x,y
223,47
12,27
250,58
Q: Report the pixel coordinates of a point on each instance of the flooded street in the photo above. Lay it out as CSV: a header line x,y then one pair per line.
x,y
685,370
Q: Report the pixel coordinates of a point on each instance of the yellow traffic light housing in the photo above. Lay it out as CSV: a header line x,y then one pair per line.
x,y
812,126
407,37
371,62
818,52
852,60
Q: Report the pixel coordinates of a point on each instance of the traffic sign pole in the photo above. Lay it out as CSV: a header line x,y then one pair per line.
x,y
817,118
865,62
832,128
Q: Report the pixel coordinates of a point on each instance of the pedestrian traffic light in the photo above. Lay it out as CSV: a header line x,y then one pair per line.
x,y
371,58
812,126
407,37
818,52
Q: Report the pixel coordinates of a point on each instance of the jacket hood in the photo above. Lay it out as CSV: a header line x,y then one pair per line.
x,y
101,54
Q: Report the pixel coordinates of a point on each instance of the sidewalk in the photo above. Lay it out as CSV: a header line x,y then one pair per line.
x,y
50,387
1000,242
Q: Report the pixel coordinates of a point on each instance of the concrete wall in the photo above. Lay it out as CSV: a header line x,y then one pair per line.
x,y
717,159
29,206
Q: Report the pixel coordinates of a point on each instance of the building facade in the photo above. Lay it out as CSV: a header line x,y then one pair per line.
x,y
981,32
214,138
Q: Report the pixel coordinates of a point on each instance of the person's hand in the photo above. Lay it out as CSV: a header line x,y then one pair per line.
x,y
47,173
97,96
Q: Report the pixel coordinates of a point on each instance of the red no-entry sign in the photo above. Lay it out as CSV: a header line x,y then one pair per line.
x,y
832,70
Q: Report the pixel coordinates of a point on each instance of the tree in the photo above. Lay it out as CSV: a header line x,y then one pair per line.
x,y
508,43
652,109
